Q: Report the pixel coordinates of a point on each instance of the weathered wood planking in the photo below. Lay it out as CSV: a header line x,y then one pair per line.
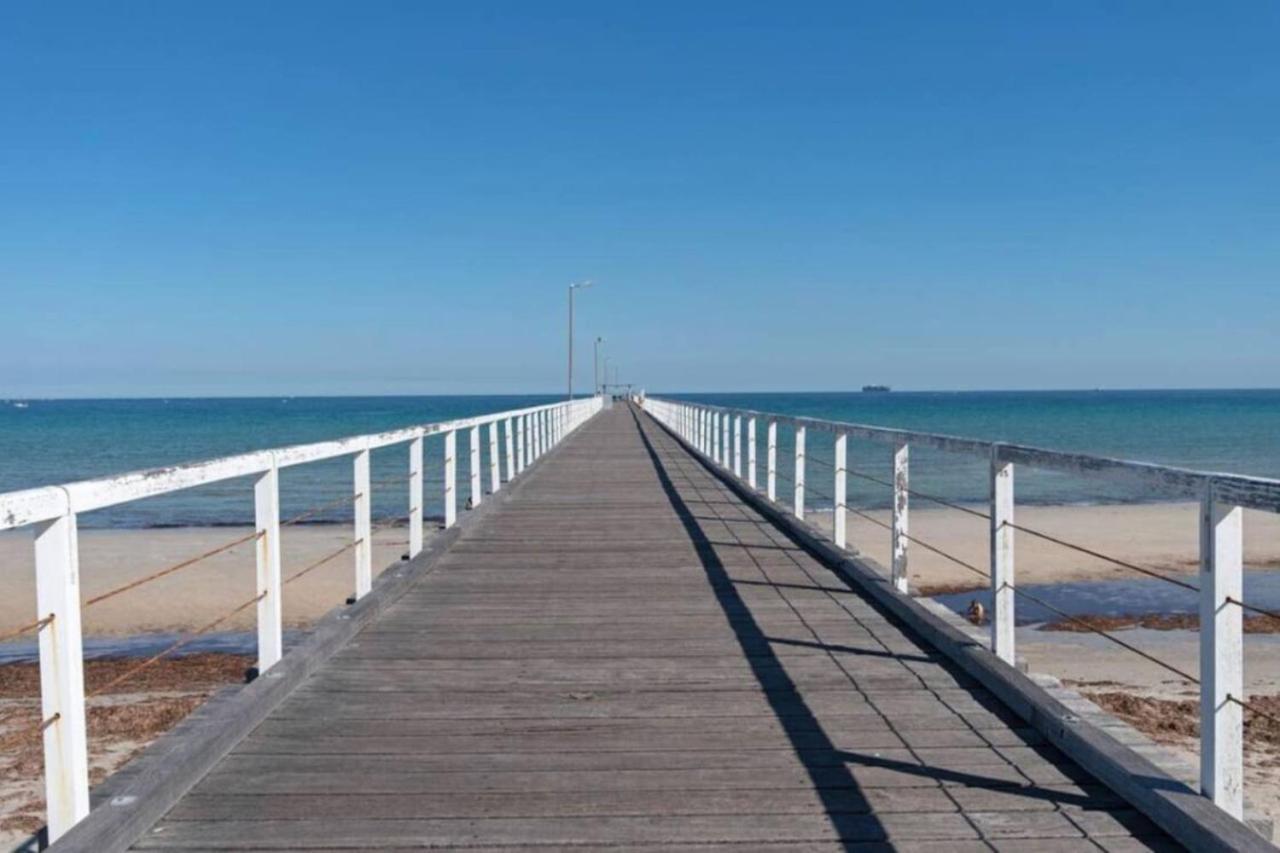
x,y
627,655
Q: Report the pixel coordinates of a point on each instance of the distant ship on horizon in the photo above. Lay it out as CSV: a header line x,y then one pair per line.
x,y
875,389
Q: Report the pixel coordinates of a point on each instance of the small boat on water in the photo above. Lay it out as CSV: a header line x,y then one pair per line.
x,y
21,404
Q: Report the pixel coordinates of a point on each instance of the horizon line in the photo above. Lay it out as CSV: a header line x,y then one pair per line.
x,y
555,394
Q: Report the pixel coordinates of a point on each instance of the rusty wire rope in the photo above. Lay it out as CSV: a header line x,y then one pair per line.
x,y
1030,597
168,570
184,641
27,628
26,733
345,499
320,562
1064,543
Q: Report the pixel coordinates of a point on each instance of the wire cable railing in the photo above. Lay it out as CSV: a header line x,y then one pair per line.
x,y
716,433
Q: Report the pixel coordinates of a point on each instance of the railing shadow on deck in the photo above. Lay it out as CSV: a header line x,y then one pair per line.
x,y
827,766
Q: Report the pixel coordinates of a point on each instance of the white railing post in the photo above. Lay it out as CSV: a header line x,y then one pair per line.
x,y
508,435
415,496
901,516
526,430
1221,653
473,466
66,762
726,451
363,532
1002,565
751,452
495,467
799,507
838,519
715,437
701,443
450,478
771,462
266,510
737,446
520,434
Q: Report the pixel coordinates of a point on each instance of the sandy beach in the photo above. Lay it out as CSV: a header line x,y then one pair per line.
x,y
198,594
121,722
1162,537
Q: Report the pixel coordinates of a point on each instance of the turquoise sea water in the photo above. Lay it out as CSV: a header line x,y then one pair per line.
x,y
53,441
1233,431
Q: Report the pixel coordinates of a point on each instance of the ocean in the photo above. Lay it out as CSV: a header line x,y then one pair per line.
x,y
54,441
1236,431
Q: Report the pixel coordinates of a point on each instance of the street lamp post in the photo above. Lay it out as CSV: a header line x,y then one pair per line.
x,y
577,285
596,363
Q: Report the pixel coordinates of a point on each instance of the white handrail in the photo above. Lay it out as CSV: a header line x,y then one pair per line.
x,y
21,508
52,512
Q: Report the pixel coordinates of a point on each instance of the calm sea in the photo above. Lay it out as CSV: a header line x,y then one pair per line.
x,y
1234,431
53,441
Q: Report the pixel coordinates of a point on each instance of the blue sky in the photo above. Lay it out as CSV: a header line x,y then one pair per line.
x,y
245,198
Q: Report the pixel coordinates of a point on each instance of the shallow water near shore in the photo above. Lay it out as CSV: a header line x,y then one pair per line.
x,y
146,645
1116,598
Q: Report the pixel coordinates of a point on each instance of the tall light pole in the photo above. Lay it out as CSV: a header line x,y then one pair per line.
x,y
606,371
596,364
577,285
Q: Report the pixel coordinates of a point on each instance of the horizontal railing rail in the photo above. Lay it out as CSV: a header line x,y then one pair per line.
x,y
519,437
717,433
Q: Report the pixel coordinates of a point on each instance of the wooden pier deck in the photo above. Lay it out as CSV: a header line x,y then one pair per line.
x,y
628,656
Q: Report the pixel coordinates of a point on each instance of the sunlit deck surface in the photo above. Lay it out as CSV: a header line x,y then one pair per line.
x,y
627,656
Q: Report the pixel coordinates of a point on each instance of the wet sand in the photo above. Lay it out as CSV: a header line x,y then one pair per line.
x,y
121,722
1159,703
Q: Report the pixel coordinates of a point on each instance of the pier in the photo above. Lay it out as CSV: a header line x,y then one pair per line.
x,y
626,643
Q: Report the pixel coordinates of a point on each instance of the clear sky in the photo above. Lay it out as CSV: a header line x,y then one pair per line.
x,y
380,197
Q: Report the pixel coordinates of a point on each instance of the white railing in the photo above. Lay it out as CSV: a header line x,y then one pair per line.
x,y
52,511
1222,497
